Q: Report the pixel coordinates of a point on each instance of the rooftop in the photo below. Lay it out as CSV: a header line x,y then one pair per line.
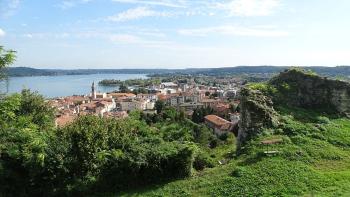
x,y
218,121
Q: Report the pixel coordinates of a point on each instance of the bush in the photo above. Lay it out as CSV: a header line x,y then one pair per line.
x,y
203,160
323,120
223,136
121,154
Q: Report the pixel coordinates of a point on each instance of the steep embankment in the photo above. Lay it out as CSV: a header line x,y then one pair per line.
x,y
292,88
311,91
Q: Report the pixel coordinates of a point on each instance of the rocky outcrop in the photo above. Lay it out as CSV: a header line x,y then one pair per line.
x,y
311,91
256,113
292,88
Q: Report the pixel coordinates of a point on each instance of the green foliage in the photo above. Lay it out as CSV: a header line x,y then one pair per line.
x,y
91,154
27,153
263,87
140,91
7,57
159,106
123,88
124,153
312,159
131,82
203,160
199,114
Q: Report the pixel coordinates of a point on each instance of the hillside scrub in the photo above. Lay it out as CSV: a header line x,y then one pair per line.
x,y
95,154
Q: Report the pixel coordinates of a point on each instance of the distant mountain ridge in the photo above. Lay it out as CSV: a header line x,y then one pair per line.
x,y
27,71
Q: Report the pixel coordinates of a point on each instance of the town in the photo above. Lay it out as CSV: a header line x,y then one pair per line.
x,y
221,103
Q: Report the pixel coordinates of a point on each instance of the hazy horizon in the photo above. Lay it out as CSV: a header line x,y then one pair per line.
x,y
172,68
139,34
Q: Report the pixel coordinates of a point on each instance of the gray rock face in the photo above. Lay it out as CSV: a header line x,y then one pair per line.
x,y
256,113
313,92
293,88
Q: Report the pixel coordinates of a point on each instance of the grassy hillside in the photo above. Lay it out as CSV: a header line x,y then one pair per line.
x,y
313,159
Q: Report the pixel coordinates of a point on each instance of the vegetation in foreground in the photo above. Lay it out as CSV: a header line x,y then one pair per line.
x,y
314,159
93,154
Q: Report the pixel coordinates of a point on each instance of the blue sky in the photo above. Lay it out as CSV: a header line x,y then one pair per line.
x,y
175,33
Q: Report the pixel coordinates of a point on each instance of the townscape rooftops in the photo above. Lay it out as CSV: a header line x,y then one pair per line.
x,y
121,94
64,120
218,121
169,84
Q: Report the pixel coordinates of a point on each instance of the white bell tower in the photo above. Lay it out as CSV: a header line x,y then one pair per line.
x,y
93,91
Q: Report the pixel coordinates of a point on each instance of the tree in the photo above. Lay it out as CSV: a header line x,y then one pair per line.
x,y
199,114
123,88
159,105
7,57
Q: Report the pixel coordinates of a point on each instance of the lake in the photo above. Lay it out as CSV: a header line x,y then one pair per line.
x,y
65,85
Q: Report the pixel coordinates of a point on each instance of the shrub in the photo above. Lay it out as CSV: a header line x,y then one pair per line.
x,y
203,160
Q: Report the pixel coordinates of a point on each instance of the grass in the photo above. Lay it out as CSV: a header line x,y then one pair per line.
x,y
314,160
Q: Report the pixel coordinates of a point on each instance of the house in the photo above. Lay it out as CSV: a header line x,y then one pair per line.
x,y
100,95
98,106
77,99
210,102
190,106
151,97
116,114
168,91
218,124
119,95
175,100
132,104
170,85
150,105
221,109
64,119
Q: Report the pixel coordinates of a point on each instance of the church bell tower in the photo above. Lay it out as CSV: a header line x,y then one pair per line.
x,y
93,91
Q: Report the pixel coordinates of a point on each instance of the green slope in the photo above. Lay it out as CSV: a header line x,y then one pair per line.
x,y
313,160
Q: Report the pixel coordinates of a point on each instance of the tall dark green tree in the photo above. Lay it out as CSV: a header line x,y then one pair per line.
x,y
159,106
199,114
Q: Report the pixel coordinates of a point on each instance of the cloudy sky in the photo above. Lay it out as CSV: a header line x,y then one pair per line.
x,y
175,33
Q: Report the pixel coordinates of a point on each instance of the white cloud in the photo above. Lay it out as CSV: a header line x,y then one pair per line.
x,y
125,39
165,3
136,40
137,13
234,30
2,33
66,4
8,7
28,35
250,7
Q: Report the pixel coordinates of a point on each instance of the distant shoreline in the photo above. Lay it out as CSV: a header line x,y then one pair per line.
x,y
32,72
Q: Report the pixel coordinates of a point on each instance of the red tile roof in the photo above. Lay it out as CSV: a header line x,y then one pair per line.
x,y
218,122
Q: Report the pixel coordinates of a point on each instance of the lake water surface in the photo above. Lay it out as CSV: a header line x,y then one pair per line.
x,y
66,85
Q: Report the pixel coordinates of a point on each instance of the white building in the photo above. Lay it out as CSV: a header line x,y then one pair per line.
x,y
131,105
171,85
150,105
150,97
